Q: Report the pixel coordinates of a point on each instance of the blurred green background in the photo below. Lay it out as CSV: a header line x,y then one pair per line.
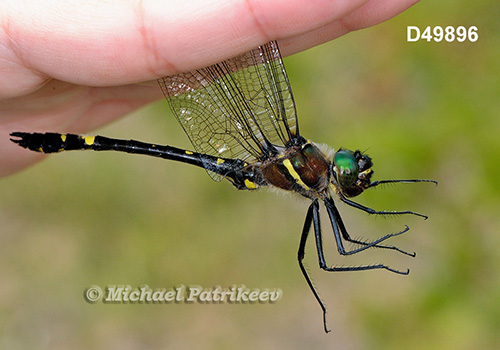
x,y
421,110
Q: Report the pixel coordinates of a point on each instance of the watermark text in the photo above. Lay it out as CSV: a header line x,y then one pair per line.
x,y
236,294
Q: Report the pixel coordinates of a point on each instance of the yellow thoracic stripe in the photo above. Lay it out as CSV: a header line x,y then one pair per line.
x,y
294,174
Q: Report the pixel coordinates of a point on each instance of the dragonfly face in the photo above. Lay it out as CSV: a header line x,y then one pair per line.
x,y
352,171
241,119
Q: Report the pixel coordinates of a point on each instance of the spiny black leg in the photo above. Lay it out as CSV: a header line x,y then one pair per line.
x,y
312,217
323,265
376,183
377,212
338,228
365,268
335,215
317,234
301,253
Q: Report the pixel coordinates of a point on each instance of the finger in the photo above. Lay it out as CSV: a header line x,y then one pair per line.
x,y
370,14
119,42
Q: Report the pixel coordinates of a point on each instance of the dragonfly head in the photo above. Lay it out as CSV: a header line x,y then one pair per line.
x,y
352,171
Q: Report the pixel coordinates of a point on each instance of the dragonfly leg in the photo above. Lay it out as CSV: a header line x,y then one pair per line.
x,y
338,224
380,182
378,212
312,218
313,208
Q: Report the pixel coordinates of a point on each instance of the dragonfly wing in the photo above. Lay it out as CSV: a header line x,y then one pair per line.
x,y
238,108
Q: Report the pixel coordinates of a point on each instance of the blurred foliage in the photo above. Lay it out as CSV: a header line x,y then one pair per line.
x,y
421,110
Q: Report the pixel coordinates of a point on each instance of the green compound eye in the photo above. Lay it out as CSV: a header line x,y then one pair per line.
x,y
346,167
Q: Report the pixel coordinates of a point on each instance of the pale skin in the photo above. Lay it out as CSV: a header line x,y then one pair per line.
x,y
73,66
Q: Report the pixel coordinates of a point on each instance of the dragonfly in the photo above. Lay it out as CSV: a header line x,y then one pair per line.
x,y
241,119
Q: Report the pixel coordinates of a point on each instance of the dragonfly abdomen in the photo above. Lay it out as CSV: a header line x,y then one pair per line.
x,y
242,175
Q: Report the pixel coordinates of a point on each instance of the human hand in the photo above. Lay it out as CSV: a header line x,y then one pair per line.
x,y
72,66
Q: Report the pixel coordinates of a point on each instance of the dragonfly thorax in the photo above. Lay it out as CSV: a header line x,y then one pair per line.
x,y
303,169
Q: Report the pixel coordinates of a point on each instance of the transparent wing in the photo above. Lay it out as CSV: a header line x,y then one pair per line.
x,y
238,108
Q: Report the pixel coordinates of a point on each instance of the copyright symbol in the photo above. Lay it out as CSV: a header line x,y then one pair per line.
x,y
92,294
